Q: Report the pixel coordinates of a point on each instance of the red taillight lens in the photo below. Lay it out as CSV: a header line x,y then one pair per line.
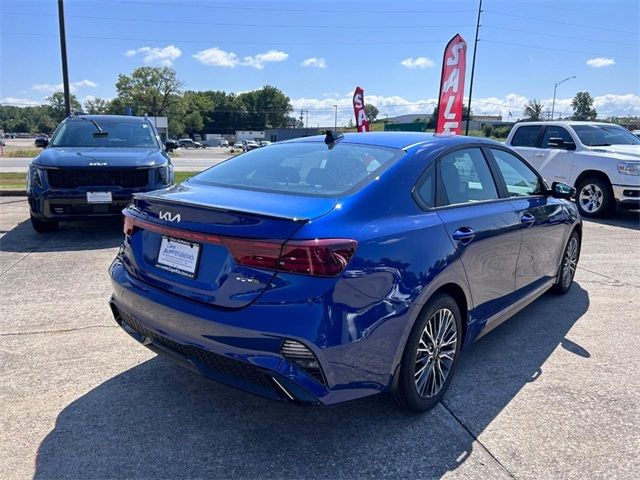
x,y
325,257
253,253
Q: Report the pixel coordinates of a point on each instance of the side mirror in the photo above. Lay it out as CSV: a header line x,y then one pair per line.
x,y
562,190
560,143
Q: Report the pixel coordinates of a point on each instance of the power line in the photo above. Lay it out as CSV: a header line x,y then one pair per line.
x,y
546,20
511,44
266,9
547,34
215,42
239,25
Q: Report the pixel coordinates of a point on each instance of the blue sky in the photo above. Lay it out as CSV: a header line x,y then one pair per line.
x,y
318,51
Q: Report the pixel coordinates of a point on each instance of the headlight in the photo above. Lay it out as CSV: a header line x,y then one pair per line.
x,y
35,176
629,168
162,174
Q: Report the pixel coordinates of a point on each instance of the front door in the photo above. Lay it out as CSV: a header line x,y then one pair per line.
x,y
542,221
553,162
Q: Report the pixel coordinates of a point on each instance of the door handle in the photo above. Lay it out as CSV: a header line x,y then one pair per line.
x,y
528,219
464,235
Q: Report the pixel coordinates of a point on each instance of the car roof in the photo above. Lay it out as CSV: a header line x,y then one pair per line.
x,y
400,140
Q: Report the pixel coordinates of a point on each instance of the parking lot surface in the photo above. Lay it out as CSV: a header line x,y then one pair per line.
x,y
552,393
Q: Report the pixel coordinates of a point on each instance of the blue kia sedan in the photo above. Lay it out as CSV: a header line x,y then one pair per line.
x,y
92,167
326,269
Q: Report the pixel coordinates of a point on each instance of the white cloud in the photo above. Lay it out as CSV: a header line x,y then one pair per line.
x,y
314,62
258,61
418,62
321,110
156,55
215,57
600,62
73,86
20,102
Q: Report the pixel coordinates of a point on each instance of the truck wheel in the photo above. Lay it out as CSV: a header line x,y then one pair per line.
x,y
594,197
43,226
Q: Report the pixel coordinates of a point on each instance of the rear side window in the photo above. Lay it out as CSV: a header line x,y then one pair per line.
x,y
526,136
520,179
426,188
308,168
555,132
465,178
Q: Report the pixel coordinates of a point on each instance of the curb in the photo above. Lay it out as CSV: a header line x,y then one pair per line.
x,y
13,193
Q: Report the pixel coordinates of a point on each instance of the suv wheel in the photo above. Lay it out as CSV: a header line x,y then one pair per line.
x,y
43,226
568,265
594,197
430,355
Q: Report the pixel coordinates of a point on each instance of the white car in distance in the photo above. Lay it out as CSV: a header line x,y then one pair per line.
x,y
601,160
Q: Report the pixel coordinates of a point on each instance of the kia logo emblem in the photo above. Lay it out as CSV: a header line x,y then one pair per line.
x,y
168,216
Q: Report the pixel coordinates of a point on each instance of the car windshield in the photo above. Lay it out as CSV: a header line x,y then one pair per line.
x,y
605,135
122,133
308,168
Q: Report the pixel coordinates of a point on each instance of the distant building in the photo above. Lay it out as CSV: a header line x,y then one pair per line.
x,y
249,135
405,127
281,134
162,125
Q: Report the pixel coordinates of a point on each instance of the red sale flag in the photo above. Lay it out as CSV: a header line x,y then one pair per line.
x,y
452,87
362,123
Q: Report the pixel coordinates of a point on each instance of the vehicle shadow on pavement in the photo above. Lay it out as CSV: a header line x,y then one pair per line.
x,y
74,236
620,218
157,420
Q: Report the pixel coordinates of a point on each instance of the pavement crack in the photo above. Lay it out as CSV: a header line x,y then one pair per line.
x,y
609,278
61,330
484,447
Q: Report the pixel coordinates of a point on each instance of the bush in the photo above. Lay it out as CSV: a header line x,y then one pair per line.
x,y
501,132
487,130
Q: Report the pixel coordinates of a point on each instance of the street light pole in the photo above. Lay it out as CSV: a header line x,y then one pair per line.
x,y
63,51
335,123
555,87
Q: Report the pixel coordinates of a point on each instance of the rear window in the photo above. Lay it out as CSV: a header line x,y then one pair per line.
x,y
308,168
526,136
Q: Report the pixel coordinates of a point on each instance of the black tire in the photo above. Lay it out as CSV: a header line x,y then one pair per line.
x,y
406,391
594,197
43,226
568,265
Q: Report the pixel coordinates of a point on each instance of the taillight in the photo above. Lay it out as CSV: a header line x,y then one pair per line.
x,y
325,257
253,253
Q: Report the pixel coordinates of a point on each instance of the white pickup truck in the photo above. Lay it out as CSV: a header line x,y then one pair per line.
x,y
601,160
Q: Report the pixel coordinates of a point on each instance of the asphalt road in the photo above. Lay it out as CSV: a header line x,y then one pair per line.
x,y
189,160
553,393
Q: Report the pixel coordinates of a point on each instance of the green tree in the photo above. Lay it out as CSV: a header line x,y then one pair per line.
x,y
96,106
150,90
267,107
582,105
371,112
56,105
533,110
193,122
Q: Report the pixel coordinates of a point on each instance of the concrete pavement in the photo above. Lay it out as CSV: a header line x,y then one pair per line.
x,y
552,393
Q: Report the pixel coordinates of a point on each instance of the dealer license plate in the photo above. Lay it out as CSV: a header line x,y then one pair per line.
x,y
99,197
178,256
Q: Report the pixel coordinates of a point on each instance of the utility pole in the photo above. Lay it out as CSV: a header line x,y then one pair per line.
x,y
63,51
335,123
306,124
473,67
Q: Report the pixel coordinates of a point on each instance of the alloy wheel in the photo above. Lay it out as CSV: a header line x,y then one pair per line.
x,y
570,262
436,353
591,198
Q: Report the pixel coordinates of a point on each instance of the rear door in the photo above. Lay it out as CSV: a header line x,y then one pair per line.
x,y
542,220
483,227
552,161
525,141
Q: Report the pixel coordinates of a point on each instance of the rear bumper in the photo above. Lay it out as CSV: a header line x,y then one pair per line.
x,y
241,348
627,195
